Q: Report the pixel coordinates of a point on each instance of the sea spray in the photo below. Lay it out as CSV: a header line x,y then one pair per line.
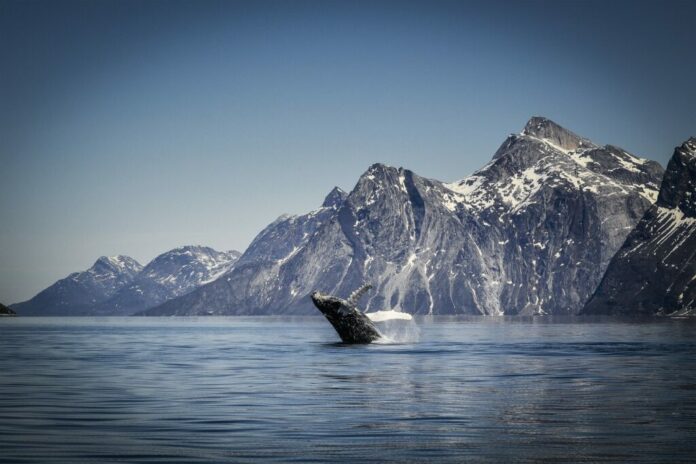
x,y
397,330
379,316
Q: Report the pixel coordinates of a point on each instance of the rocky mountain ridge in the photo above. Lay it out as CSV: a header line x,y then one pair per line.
x,y
529,233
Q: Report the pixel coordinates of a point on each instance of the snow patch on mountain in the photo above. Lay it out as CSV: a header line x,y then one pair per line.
x,y
576,164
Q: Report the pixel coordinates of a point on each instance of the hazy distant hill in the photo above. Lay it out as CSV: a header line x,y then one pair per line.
x,y
119,285
80,291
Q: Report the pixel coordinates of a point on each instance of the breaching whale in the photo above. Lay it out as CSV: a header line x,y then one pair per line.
x,y
352,325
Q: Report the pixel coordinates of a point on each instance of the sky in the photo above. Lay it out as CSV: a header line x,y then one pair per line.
x,y
133,127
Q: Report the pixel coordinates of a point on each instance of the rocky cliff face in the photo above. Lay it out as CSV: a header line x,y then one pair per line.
x,y
76,294
530,232
654,272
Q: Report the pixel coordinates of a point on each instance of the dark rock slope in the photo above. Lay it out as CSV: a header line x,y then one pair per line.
x,y
531,232
654,272
5,311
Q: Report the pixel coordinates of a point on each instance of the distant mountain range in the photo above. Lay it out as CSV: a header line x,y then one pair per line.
x,y
119,285
531,232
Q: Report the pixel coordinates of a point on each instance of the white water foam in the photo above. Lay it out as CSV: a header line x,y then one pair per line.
x,y
398,331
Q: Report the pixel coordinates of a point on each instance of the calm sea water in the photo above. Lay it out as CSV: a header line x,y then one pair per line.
x,y
282,390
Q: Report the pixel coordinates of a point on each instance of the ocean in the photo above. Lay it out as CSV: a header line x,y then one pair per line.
x,y
273,389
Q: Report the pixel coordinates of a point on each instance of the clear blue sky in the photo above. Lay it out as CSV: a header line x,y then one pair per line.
x,y
134,127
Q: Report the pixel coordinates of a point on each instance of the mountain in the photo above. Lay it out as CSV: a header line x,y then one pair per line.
x,y
531,232
80,291
120,286
654,272
259,266
169,275
5,311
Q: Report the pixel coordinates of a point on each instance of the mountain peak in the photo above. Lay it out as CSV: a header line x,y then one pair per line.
x,y
689,146
183,255
679,182
190,249
545,129
377,168
334,198
380,172
119,263
380,175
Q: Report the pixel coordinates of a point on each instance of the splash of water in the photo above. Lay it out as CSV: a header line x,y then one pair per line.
x,y
398,331
379,316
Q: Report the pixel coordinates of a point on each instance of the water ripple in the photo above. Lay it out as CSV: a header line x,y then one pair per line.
x,y
275,390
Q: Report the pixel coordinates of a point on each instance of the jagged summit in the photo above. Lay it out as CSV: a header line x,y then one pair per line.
x,y
383,183
376,180
679,184
108,268
195,253
379,171
118,262
545,129
527,165
185,248
334,199
379,167
194,250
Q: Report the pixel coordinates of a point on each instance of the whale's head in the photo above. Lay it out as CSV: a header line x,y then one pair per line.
x,y
327,304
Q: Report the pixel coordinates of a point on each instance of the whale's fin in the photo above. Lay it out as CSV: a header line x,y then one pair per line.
x,y
357,294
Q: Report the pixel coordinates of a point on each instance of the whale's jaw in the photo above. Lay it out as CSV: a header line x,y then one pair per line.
x,y
350,324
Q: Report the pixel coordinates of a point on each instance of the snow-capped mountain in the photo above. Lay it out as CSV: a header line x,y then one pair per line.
x,y
80,291
133,288
654,272
530,232
169,275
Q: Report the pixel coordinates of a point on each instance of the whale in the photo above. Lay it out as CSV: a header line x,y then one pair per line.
x,y
351,324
